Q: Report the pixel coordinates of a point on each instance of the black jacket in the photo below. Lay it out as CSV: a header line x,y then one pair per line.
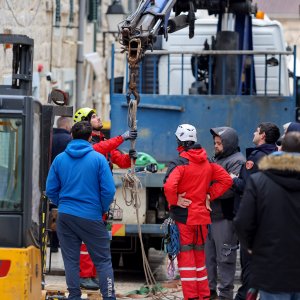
x,y
268,223
60,139
253,156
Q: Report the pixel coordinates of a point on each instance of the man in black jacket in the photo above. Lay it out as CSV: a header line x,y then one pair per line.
x,y
264,138
61,136
60,139
268,220
221,243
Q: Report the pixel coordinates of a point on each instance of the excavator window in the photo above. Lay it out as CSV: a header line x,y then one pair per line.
x,y
11,130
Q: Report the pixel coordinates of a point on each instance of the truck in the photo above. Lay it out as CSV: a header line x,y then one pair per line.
x,y
25,143
232,73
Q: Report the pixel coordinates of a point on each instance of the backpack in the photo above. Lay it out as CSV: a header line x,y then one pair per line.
x,y
171,244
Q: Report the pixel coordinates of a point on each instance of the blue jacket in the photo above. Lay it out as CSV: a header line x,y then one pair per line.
x,y
80,181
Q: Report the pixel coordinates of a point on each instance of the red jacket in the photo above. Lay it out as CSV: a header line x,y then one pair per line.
x,y
109,149
193,174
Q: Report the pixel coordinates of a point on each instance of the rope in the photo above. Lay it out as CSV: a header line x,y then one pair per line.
x,y
132,124
131,183
132,186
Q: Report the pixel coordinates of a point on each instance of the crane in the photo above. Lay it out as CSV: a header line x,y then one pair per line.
x,y
139,30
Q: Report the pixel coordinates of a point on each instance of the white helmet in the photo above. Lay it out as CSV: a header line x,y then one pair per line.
x,y
186,132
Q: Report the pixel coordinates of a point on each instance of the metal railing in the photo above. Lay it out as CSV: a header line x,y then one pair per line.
x,y
172,72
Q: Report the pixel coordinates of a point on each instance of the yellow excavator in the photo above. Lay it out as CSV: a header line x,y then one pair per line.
x,y
25,151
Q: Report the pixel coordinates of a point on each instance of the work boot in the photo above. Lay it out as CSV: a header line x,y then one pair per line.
x,y
88,284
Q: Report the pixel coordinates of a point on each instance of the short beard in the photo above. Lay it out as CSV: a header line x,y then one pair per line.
x,y
97,129
218,154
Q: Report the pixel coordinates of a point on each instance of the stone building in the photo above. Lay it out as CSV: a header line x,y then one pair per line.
x,y
61,60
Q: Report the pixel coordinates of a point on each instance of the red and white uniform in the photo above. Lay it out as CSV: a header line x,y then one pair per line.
x,y
194,175
109,149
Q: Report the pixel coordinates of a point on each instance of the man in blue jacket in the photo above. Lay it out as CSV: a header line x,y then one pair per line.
x,y
80,183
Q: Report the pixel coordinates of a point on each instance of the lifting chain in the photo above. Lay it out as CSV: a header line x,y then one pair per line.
x,y
134,71
134,57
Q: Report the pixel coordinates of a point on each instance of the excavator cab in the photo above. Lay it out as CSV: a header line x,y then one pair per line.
x,y
25,143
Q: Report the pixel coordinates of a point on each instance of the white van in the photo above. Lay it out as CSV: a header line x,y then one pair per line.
x,y
267,36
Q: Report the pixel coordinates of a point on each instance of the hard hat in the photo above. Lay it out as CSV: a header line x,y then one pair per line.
x,y
186,132
82,114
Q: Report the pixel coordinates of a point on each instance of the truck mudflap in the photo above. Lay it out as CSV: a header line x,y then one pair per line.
x,y
119,229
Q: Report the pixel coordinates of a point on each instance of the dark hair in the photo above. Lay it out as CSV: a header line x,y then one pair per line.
x,y
81,130
291,142
271,131
185,144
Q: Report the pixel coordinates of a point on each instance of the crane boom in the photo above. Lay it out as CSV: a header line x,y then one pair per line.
x,y
152,18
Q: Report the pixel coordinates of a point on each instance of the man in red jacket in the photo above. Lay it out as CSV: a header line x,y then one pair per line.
x,y
200,181
107,147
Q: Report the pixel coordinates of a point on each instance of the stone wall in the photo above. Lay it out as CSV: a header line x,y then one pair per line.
x,y
54,48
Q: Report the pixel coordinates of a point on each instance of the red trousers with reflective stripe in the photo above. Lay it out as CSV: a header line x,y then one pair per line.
x,y
87,268
191,263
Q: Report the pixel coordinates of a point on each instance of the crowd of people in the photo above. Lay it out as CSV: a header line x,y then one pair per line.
x,y
220,204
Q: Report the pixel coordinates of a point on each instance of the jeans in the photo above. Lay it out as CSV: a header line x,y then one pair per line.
x,y
72,231
279,296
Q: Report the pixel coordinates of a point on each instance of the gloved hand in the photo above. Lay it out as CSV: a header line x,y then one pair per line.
x,y
151,168
133,154
129,135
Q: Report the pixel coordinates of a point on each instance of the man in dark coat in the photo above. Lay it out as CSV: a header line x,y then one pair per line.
x,y
60,139
268,222
221,243
264,138
61,136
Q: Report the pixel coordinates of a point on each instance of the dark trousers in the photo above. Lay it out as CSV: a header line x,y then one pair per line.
x,y
71,232
246,273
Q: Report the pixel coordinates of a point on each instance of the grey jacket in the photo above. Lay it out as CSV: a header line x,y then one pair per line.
x,y
231,159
